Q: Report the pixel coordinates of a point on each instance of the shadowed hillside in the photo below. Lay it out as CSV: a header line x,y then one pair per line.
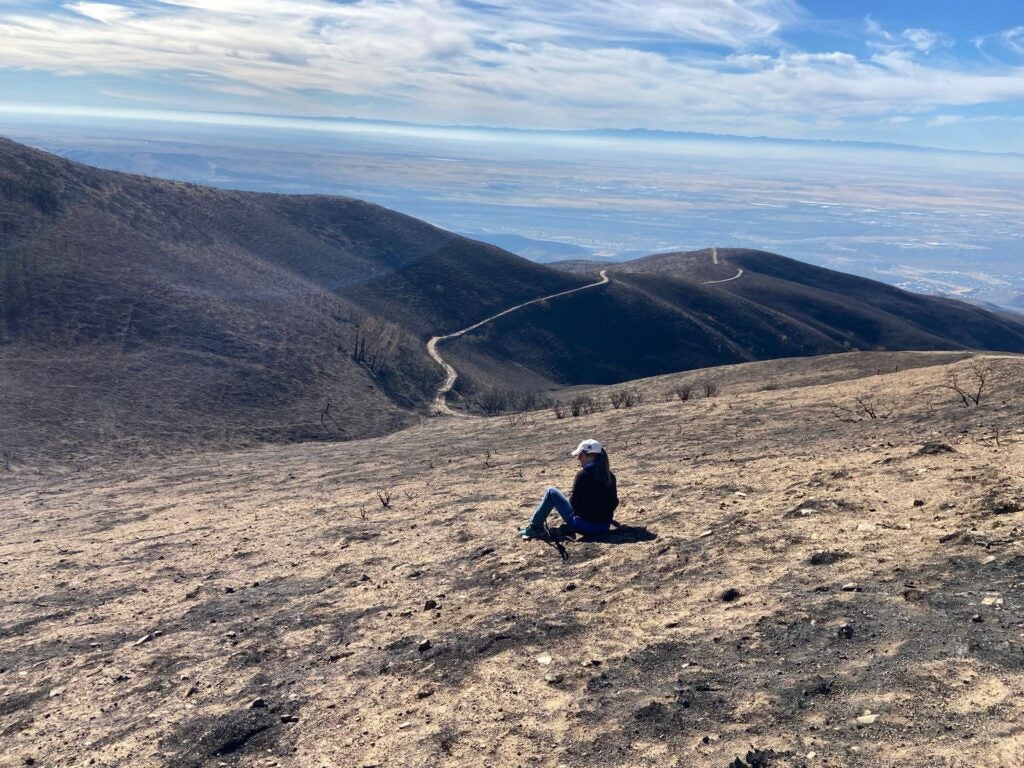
x,y
679,311
142,314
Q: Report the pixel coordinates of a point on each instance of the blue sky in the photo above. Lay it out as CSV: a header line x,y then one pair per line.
x,y
939,73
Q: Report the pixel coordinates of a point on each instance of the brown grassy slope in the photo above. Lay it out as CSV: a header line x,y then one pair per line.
x,y
139,314
145,610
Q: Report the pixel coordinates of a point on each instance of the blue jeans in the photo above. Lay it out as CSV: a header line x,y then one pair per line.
x,y
555,499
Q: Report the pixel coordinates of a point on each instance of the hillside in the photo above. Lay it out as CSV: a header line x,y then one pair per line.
x,y
139,314
797,586
679,311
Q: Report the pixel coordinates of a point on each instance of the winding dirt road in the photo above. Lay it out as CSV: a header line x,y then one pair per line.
x,y
714,259
440,399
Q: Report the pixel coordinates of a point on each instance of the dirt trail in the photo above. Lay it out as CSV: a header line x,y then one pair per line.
x,y
714,260
440,401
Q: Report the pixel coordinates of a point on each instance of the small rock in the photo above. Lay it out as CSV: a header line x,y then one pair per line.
x,y
424,645
544,659
425,692
730,595
58,691
913,594
977,618
364,577
406,724
828,557
231,634
430,605
553,678
852,587
705,534
144,639
229,590
415,574
934,449
590,663
28,760
671,624
569,587
258,704
845,632
988,560
289,718
918,502
867,527
867,718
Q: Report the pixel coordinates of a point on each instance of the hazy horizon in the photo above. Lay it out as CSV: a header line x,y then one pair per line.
x,y
934,222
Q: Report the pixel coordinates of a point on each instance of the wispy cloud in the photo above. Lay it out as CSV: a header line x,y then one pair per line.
x,y
720,65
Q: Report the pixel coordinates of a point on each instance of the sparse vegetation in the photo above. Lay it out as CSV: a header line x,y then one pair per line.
x,y
970,387
374,344
710,389
328,422
864,407
683,391
582,405
493,402
625,398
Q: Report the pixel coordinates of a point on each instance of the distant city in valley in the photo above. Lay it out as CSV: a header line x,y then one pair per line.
x,y
949,223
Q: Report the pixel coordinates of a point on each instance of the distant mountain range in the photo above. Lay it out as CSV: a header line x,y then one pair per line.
x,y
540,251
136,312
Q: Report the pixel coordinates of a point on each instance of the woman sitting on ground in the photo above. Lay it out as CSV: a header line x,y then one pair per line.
x,y
589,508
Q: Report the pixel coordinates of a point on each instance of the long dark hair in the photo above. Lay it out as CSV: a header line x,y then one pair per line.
x,y
603,467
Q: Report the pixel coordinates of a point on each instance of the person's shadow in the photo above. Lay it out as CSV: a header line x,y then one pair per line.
x,y
623,534
618,534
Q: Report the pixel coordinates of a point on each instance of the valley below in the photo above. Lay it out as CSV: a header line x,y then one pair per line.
x,y
819,564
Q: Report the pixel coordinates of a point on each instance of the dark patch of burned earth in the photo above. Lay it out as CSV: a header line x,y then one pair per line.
x,y
257,616
455,654
230,738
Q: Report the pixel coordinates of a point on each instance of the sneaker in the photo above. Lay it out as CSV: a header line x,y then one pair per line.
x,y
533,532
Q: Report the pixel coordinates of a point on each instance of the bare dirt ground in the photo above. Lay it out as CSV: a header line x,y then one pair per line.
x,y
797,584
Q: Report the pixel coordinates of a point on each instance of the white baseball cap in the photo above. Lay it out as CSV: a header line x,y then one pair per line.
x,y
588,446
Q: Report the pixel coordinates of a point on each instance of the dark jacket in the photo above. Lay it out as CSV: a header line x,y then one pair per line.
x,y
591,499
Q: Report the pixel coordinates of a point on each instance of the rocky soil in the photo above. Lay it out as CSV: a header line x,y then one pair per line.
x,y
810,572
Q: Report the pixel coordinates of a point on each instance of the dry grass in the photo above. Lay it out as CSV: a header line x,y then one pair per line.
x,y
145,608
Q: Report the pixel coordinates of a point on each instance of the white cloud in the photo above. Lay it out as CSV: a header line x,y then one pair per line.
x,y
940,120
103,12
925,40
1014,39
530,64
